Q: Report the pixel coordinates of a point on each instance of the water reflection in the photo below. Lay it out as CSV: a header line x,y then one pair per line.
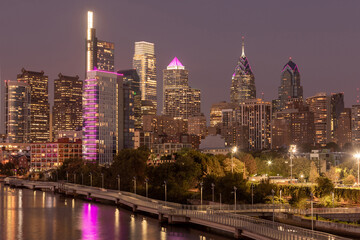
x,y
28,215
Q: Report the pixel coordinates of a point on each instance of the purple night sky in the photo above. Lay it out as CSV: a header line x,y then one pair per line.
x,y
321,36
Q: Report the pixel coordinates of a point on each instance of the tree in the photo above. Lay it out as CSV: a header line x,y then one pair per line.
x,y
349,180
333,174
313,172
250,163
324,186
238,166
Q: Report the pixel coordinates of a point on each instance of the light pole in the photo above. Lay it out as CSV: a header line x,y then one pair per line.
x,y
213,191
67,177
90,179
292,151
273,195
312,212
233,150
235,188
165,188
220,201
75,178
269,162
201,193
134,180
357,156
102,180
252,195
82,179
118,178
146,186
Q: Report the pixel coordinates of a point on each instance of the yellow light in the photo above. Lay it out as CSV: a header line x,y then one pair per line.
x,y
357,155
234,150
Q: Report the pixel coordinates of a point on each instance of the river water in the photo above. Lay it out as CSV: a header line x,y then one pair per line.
x,y
28,215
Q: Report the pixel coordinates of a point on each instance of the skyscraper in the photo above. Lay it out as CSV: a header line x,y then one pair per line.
x,y
103,104
39,104
17,112
180,100
132,80
243,80
99,54
144,62
355,124
289,86
67,109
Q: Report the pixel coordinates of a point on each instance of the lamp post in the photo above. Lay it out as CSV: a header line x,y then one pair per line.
x,y
165,188
312,212
252,195
201,193
67,177
90,179
146,186
235,188
220,201
75,178
82,179
118,178
269,162
273,195
357,156
102,180
292,151
233,150
213,191
134,180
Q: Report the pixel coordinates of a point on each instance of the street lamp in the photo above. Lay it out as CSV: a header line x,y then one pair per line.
x,y
75,178
212,190
90,179
201,193
252,195
312,212
134,180
67,177
233,150
118,178
357,156
269,162
235,188
165,188
273,195
292,151
146,186
82,179
102,180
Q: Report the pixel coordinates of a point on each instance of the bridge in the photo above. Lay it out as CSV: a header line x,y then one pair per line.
x,y
216,217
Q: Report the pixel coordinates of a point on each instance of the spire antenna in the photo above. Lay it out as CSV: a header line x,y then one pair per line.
x,y
242,46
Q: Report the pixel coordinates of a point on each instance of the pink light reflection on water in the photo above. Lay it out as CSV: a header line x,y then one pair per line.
x,y
89,222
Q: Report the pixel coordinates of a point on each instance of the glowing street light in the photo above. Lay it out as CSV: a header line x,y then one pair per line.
x,y
269,162
233,150
357,156
292,152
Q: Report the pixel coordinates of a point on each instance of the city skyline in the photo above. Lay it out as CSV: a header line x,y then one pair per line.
x,y
314,51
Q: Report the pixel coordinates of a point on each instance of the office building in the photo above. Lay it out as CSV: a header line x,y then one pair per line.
x,y
180,100
39,104
343,130
243,80
197,125
216,112
355,124
99,54
103,128
67,109
144,62
17,112
290,86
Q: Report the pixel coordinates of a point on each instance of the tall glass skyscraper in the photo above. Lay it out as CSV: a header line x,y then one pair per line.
x,y
289,86
144,62
243,80
103,104
39,104
67,109
99,54
17,112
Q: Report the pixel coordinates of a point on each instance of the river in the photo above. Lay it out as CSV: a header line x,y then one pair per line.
x,y
28,215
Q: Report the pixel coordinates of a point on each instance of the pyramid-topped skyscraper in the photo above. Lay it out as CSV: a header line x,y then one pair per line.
x,y
243,80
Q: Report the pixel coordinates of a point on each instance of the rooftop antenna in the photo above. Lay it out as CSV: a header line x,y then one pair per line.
x,y
242,46
262,96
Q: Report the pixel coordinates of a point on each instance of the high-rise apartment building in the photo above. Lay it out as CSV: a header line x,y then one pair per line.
x,y
197,125
17,112
180,100
336,108
99,54
39,104
132,80
256,115
67,109
290,86
343,130
243,80
103,104
355,124
144,62
320,106
216,112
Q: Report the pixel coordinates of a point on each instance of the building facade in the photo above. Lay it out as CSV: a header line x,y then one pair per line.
x,y
343,130
290,86
243,80
355,124
17,112
99,54
103,128
144,62
39,104
67,109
